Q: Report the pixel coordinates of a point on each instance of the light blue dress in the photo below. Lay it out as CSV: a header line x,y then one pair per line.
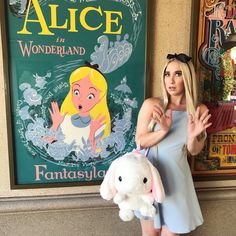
x,y
180,211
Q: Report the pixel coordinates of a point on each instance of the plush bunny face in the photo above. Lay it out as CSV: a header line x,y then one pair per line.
x,y
134,184
133,176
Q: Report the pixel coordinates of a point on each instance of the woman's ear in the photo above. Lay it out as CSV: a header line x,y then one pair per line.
x,y
107,188
158,192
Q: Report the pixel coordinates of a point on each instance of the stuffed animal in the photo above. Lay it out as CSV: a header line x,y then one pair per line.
x,y
134,184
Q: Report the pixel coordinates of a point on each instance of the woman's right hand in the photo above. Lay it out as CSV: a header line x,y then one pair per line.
x,y
57,117
152,111
162,118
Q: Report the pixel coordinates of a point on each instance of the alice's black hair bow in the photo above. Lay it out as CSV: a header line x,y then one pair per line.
x,y
94,66
180,57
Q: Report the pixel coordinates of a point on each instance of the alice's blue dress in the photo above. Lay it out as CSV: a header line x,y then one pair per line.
x,y
180,211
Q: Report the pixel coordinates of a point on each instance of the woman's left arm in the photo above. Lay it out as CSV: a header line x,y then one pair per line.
x,y
197,126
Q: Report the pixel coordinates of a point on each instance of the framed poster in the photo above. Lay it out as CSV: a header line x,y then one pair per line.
x,y
216,68
76,80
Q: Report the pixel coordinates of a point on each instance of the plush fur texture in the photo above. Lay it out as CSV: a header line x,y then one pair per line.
x,y
134,184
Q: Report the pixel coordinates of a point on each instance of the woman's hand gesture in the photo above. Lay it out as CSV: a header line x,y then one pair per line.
x,y
198,124
57,117
164,120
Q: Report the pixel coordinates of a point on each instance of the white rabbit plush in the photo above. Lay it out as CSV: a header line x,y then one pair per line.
x,y
134,184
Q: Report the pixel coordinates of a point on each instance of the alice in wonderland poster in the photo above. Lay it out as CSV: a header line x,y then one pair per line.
x,y
76,82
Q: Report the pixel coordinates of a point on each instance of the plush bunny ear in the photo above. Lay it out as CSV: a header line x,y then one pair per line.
x,y
107,188
158,192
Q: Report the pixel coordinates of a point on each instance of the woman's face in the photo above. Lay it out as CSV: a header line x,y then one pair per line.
x,y
84,95
173,79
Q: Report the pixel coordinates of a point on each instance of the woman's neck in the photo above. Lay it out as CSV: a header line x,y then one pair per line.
x,y
177,103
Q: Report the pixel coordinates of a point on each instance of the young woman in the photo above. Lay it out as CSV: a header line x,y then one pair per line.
x,y
84,113
173,126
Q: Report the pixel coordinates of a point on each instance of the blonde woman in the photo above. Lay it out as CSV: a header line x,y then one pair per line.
x,y
84,113
173,125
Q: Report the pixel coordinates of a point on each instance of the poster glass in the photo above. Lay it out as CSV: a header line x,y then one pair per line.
x,y
76,82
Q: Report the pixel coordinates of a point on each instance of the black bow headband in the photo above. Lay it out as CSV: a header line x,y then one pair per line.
x,y
180,57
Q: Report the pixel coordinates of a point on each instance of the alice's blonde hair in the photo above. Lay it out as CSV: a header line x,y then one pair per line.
x,y
190,86
100,109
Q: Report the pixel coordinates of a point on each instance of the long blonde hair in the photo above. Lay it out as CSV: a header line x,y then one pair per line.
x,y
100,109
190,86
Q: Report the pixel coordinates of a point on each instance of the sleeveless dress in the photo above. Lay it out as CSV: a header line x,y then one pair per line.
x,y
180,211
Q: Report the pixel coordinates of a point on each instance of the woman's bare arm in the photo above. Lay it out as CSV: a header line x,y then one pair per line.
x,y
150,110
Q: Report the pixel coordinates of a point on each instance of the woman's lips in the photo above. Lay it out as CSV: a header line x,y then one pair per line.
x,y
172,88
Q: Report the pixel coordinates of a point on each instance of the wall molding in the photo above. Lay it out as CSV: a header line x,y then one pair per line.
x,y
53,203
214,194
89,201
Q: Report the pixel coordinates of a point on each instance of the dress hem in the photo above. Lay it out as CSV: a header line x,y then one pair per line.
x,y
181,232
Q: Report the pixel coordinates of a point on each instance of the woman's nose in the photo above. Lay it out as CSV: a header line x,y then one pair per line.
x,y
172,81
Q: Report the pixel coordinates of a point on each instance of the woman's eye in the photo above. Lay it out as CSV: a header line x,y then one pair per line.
x,y
91,96
179,73
76,92
167,74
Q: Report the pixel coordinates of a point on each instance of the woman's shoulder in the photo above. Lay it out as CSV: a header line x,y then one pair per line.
x,y
202,107
153,101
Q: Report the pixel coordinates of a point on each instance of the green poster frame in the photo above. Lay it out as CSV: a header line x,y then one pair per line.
x,y
44,42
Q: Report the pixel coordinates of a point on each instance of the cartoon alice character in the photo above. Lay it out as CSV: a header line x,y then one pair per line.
x,y
84,114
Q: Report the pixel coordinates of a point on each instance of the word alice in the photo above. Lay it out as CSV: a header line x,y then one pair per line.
x,y
112,20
